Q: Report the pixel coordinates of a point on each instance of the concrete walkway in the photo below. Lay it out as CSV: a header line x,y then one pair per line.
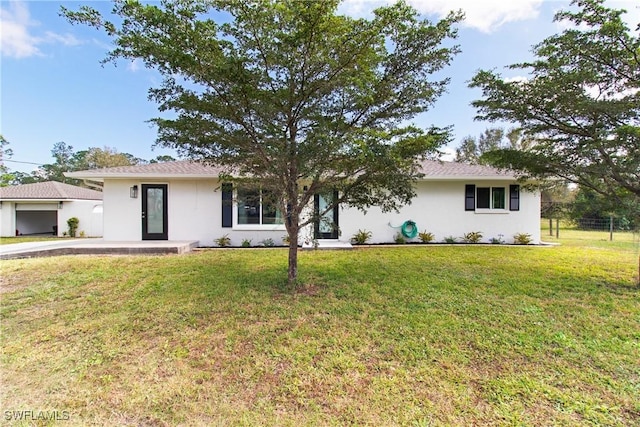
x,y
93,247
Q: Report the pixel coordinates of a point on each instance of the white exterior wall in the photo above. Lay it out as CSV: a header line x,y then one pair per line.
x,y
7,219
87,211
121,213
195,213
439,208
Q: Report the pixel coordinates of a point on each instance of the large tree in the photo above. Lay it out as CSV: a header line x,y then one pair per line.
x,y
581,103
290,96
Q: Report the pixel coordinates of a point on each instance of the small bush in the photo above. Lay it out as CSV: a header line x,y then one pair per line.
x,y
399,239
426,237
361,237
497,240
522,239
286,240
246,243
73,226
223,241
472,237
268,243
450,239
83,234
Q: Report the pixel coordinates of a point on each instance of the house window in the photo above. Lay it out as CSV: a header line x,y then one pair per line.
x,y
497,198
491,198
255,207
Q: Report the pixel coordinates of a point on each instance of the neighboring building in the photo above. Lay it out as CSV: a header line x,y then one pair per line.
x,y
45,207
185,201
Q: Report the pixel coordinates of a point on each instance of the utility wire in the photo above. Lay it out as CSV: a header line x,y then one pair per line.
x,y
26,163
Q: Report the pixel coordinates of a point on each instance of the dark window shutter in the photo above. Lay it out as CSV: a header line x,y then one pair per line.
x,y
514,197
227,205
470,197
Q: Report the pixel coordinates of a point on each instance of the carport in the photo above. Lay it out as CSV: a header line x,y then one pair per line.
x,y
36,218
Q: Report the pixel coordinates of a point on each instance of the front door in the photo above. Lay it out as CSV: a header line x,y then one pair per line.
x,y
326,223
154,212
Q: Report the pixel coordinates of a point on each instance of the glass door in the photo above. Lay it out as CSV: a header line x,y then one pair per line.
x,y
154,212
326,223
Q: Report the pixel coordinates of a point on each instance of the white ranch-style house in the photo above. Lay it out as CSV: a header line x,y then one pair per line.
x,y
185,200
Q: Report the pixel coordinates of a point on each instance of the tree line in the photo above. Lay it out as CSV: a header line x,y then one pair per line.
x,y
66,159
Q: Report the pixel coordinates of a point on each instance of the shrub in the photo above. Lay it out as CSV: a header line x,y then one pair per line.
x,y
83,234
286,240
497,240
450,239
426,237
472,237
246,243
361,237
223,241
522,239
399,239
73,226
268,243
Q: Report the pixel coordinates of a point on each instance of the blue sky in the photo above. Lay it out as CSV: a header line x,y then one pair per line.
x,y
53,87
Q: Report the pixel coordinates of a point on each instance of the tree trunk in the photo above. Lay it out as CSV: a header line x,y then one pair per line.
x,y
292,279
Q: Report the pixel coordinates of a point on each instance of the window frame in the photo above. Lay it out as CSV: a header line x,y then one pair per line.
x,y
237,192
482,198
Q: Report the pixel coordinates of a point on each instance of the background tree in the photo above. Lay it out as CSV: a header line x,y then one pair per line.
x,y
591,210
5,153
581,104
471,149
290,97
98,158
68,160
63,156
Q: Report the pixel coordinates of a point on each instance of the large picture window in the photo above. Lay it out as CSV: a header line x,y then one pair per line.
x,y
255,207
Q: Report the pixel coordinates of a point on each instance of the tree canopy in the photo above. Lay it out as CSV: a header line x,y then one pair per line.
x,y
290,95
580,104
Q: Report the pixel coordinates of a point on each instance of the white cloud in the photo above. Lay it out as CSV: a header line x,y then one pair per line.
x,y
16,38
65,39
516,79
483,15
631,18
135,65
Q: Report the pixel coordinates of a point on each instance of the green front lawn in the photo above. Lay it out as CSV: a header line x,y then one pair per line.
x,y
415,335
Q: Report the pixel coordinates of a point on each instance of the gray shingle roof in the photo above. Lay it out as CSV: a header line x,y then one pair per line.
x,y
433,170
186,168
49,190
436,169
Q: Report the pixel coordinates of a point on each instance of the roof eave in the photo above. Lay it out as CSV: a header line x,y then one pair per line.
x,y
146,176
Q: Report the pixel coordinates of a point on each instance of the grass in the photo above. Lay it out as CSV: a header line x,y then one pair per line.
x,y
25,239
416,336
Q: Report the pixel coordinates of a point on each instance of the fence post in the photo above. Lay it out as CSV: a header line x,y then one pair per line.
x,y
611,228
557,228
